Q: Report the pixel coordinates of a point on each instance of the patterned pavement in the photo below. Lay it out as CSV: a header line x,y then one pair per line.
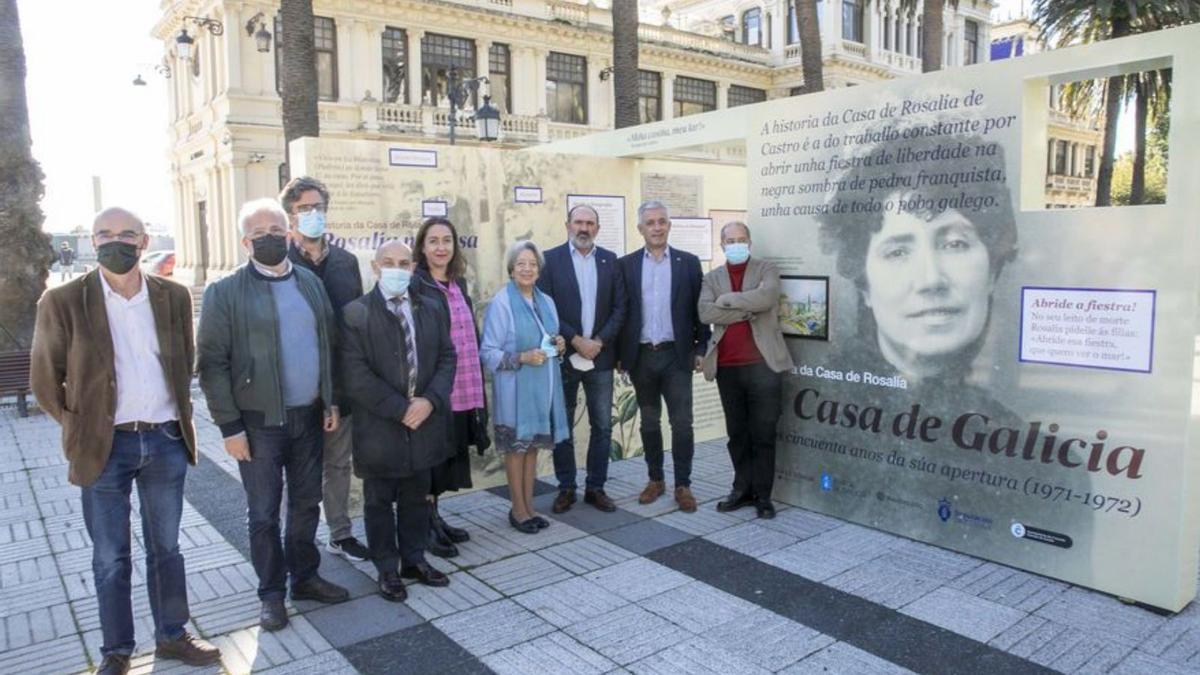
x,y
645,590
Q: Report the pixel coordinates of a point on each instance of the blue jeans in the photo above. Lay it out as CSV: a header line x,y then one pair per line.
x,y
598,389
295,450
157,460
656,378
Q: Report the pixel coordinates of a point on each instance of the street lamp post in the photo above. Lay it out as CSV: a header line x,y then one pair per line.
x,y
487,117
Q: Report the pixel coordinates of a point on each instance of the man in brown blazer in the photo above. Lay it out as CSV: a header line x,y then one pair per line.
x,y
748,357
112,363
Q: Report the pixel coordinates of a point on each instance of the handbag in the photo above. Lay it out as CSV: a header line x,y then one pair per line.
x,y
477,431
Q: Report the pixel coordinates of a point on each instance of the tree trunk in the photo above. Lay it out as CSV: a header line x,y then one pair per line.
x,y
931,27
1137,190
1112,109
298,73
26,255
810,45
625,62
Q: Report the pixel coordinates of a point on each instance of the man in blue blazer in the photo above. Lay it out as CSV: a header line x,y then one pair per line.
x,y
661,345
586,286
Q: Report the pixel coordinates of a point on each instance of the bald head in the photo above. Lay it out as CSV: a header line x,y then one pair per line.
x,y
116,219
395,251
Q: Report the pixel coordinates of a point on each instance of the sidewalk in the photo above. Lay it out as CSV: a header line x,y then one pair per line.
x,y
644,590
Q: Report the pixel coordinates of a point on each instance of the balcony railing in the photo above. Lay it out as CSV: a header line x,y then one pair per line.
x,y
1081,184
705,43
435,122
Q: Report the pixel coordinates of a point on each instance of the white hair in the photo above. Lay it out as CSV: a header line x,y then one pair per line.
x,y
510,258
651,205
256,206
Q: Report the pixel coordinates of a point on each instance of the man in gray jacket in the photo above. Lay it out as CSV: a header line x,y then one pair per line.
x,y
264,357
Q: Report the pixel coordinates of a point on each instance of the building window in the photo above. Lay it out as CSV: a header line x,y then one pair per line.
x,y
729,28
325,41
920,41
970,43
739,95
395,65
440,53
694,96
1060,158
1089,162
887,32
898,41
566,88
500,76
752,26
769,31
649,96
852,20
793,28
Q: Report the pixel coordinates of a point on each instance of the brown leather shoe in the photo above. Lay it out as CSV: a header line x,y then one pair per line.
x,y
563,502
653,490
114,664
685,499
601,501
189,649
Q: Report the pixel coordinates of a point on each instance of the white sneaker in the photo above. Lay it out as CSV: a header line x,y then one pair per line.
x,y
349,549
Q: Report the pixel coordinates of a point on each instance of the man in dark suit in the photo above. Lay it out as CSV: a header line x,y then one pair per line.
x,y
585,284
662,343
399,365
112,363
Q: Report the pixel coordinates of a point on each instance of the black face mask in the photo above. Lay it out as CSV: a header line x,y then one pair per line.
x,y
270,250
117,257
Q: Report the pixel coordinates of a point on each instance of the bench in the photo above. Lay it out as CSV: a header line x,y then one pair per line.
x,y
14,377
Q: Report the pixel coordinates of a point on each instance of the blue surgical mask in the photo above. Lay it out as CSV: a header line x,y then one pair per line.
x,y
737,253
393,281
549,347
311,224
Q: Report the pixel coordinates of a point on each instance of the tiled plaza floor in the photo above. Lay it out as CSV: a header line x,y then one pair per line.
x,y
643,590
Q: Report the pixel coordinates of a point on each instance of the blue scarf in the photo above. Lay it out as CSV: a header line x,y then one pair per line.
x,y
540,407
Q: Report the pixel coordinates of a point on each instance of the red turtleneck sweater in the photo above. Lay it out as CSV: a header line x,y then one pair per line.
x,y
737,346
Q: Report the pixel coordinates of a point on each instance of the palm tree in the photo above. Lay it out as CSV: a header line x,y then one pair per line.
x,y
810,45
298,73
625,62
26,255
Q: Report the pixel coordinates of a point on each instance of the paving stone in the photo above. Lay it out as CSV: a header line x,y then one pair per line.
x,y
627,634
964,614
318,664
1102,617
700,523
1007,586
767,640
569,602
585,517
931,561
486,547
469,502
811,562
645,536
494,519
418,650
464,592
361,619
493,627
1138,662
63,655
698,607
883,583
1185,648
843,658
1060,647
520,573
638,579
752,539
695,656
553,654
586,555
226,614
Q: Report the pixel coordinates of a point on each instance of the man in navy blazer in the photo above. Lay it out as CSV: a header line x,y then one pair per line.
x,y
586,286
662,344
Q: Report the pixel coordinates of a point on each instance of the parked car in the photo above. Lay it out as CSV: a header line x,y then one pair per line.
x,y
159,263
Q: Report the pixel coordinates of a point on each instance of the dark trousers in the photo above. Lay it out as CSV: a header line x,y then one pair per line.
x,y
657,377
293,452
751,398
157,460
598,390
396,518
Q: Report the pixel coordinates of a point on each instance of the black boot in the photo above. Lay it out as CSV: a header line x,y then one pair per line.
x,y
439,543
455,535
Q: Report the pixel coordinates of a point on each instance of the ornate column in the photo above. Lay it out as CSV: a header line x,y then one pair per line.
x,y
668,96
722,94
414,66
347,67
232,70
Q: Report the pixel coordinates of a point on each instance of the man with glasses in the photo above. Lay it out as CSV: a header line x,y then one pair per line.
x,y
112,363
265,362
306,201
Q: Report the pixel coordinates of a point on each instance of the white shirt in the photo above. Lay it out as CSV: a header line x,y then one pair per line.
x,y
143,394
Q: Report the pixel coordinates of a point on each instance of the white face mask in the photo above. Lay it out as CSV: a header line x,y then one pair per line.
x,y
393,281
311,224
737,253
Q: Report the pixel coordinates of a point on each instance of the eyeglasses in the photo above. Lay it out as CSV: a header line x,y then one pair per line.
x,y
309,208
127,236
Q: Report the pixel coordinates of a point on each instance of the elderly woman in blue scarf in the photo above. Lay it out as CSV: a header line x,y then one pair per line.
x,y
521,347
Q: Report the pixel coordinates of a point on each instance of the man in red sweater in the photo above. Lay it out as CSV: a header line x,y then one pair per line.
x,y
747,356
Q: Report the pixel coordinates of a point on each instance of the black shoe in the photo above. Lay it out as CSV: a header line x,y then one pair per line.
x,y
564,500
526,526
114,664
391,587
316,588
425,574
600,500
766,510
454,535
440,547
541,522
734,501
349,548
189,649
273,615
